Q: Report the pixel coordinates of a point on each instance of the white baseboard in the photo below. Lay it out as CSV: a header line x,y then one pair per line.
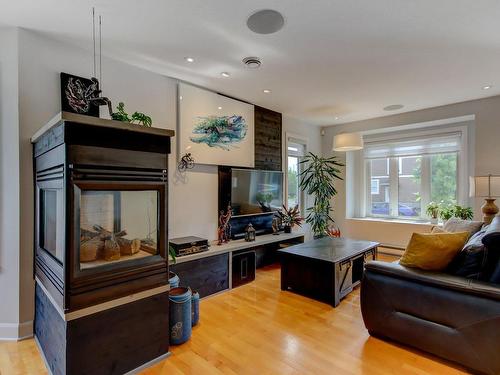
x,y
16,331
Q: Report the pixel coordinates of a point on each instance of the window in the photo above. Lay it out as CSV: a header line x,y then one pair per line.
x,y
404,175
295,152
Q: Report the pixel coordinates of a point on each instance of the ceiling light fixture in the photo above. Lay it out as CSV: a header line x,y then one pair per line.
x,y
487,87
189,59
347,142
225,74
266,91
219,107
393,107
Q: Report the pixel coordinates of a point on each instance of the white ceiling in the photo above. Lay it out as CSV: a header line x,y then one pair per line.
x,y
332,58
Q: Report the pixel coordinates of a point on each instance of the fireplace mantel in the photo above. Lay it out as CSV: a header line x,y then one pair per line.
x,y
97,121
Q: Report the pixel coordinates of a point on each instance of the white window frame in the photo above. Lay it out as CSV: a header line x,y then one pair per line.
x,y
462,174
294,138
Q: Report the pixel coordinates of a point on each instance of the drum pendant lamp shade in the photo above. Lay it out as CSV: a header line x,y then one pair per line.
x,y
347,142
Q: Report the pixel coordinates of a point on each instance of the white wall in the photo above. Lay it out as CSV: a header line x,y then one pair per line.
x,y
485,159
192,196
9,185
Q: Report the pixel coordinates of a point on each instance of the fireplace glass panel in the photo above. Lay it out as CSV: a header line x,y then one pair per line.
x,y
117,226
51,222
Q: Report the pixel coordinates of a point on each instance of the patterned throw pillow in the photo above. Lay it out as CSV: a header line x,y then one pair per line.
x,y
458,225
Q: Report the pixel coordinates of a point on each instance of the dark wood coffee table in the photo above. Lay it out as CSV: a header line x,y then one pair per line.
x,y
326,269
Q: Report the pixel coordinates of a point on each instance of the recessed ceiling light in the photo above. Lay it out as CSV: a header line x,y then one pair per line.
x,y
189,59
225,74
266,21
393,107
487,87
219,107
336,118
266,91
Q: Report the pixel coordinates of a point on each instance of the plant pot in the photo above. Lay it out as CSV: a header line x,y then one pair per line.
x,y
434,220
318,236
288,229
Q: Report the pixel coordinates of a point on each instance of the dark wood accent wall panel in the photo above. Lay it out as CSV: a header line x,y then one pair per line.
x,y
113,341
206,275
268,143
50,331
120,339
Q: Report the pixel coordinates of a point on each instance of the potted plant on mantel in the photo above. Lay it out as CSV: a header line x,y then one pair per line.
x,y
290,217
317,179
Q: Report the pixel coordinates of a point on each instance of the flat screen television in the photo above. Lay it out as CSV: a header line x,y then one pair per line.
x,y
256,192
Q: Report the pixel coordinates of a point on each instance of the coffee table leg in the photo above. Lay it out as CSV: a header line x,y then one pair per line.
x,y
283,273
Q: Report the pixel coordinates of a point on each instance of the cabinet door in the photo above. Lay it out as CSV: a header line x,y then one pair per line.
x,y
243,268
206,275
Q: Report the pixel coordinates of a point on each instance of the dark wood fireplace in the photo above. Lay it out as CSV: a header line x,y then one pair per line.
x,y
101,242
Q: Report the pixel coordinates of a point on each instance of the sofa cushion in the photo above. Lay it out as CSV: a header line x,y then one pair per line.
x,y
433,252
458,225
470,262
491,240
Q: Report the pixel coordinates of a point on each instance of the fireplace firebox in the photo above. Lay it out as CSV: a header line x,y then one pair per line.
x,y
101,256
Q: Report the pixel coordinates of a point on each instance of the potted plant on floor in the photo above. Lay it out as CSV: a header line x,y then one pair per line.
x,y
317,179
290,217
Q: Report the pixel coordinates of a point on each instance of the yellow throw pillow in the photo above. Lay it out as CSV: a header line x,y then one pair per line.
x,y
433,251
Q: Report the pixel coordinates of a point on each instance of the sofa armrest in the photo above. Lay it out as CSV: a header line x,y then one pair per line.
x,y
436,279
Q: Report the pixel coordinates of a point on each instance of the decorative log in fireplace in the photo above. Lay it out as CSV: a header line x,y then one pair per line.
x,y
100,242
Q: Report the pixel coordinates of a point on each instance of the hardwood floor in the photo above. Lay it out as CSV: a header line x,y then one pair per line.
x,y
258,329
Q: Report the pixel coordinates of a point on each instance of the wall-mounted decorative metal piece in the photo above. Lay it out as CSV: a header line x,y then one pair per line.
x,y
186,162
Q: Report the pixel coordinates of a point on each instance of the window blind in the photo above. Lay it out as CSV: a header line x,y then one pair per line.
x,y
295,148
411,146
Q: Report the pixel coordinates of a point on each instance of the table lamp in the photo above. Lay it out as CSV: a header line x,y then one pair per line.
x,y
489,188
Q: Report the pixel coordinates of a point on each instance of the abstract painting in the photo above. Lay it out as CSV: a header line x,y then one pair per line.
x,y
215,129
76,93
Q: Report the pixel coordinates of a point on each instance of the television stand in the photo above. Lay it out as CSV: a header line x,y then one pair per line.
x,y
211,271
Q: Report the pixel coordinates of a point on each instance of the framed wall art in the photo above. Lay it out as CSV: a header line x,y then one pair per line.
x,y
76,93
215,129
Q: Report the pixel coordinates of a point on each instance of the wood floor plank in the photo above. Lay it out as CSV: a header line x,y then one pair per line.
x,y
259,329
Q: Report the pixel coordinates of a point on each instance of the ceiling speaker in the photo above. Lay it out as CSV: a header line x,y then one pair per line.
x,y
266,21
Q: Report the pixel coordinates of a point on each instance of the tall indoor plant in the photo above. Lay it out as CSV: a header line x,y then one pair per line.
x,y
317,179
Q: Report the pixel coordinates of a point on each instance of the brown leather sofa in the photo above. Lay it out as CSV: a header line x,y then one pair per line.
x,y
452,317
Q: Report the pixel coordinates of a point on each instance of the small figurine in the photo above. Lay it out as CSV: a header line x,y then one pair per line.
x,y
249,233
276,225
224,230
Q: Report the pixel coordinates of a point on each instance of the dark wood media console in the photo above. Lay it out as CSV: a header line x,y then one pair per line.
x,y
101,264
212,271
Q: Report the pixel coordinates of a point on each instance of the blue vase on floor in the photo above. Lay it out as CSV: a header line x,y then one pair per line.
x,y
195,308
173,279
180,315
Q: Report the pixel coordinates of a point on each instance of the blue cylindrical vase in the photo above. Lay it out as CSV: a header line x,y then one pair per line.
x,y
180,315
173,279
195,308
